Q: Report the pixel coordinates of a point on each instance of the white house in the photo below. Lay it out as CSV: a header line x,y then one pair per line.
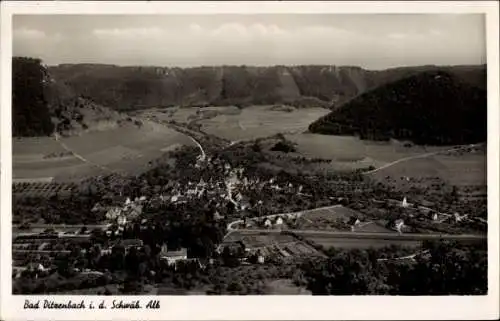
x,y
459,218
217,216
97,207
106,251
279,221
404,203
121,220
267,223
398,225
134,211
36,267
113,213
172,257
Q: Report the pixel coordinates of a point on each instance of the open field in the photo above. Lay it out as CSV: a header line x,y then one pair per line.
x,y
126,148
372,227
332,213
189,114
34,147
349,153
260,121
258,239
460,170
24,181
336,219
349,243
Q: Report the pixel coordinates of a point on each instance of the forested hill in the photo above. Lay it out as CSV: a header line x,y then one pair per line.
x,y
128,88
433,107
41,105
80,96
30,113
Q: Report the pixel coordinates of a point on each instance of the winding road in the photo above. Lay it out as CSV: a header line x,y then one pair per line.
x,y
184,132
353,234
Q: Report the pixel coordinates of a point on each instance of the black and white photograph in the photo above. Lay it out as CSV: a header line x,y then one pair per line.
x,y
268,154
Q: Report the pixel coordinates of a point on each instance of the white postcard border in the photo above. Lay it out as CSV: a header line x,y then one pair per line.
x,y
258,307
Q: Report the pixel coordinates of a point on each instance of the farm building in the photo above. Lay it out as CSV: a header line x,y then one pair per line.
x,y
217,216
237,246
97,208
106,251
133,211
459,218
121,220
172,257
113,213
129,243
353,221
398,225
35,267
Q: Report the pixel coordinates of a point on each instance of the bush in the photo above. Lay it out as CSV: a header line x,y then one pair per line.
x,y
283,146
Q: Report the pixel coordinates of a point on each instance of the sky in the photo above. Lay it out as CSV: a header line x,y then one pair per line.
x,y
372,41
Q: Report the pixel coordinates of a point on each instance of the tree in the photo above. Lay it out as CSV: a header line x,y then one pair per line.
x,y
229,259
30,114
132,286
234,287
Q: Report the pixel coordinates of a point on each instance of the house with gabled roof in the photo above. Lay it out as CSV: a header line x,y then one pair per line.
x,y
113,213
129,243
172,257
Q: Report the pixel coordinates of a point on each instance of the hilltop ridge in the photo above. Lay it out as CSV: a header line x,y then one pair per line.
x,y
128,88
77,97
432,107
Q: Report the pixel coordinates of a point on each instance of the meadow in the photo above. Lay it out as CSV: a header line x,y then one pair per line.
x,y
126,148
336,219
468,169
260,121
355,243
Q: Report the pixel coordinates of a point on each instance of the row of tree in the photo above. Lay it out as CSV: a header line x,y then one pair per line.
x,y
447,268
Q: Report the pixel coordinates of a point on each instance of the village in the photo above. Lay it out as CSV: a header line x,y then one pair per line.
x,y
239,202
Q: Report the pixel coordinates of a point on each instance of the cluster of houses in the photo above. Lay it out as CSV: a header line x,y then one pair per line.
x,y
171,257
244,251
425,213
120,216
